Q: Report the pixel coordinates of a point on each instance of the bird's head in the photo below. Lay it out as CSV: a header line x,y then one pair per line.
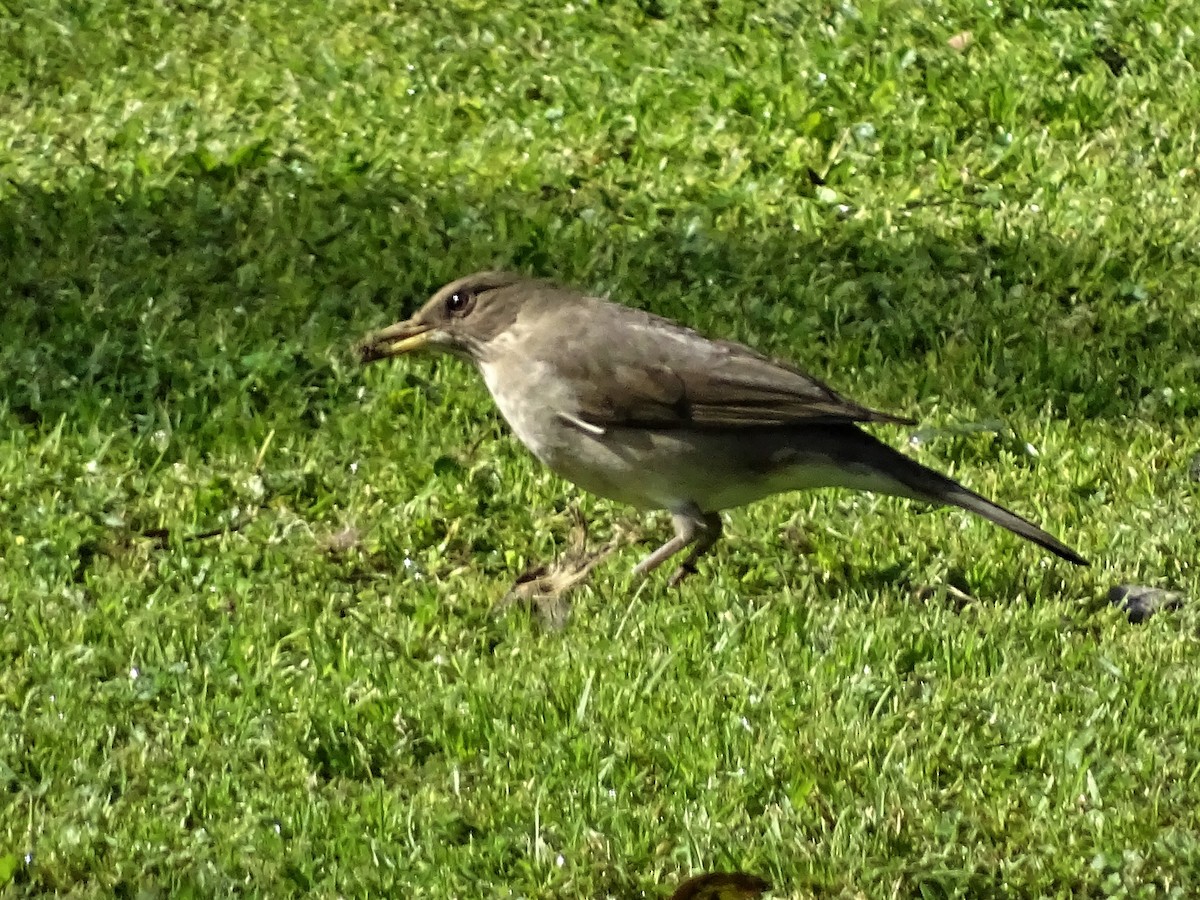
x,y
461,318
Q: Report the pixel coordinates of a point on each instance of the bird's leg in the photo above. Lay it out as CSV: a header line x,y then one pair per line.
x,y
691,527
663,553
709,534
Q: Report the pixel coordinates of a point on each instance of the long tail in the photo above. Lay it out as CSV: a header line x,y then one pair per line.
x,y
933,487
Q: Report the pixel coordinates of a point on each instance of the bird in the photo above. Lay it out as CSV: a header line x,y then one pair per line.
x,y
648,412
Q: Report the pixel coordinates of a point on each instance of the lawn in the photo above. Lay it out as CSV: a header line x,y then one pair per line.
x,y
249,633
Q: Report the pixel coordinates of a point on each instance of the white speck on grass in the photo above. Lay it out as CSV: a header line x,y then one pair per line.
x,y
134,673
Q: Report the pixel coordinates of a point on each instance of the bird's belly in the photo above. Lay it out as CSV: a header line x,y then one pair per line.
x,y
582,458
715,471
673,470
667,469
530,401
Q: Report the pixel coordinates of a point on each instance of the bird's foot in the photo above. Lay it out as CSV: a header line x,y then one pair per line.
x,y
681,573
544,588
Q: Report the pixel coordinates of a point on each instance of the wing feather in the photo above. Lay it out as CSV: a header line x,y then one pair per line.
x,y
697,383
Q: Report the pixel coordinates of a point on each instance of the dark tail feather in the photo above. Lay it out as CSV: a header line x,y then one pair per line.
x,y
926,484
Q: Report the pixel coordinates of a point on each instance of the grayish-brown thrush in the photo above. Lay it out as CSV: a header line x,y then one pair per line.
x,y
646,411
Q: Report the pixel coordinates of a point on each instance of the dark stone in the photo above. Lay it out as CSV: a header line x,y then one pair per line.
x,y
1116,61
1140,602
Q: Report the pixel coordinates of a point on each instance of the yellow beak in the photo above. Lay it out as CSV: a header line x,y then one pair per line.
x,y
403,337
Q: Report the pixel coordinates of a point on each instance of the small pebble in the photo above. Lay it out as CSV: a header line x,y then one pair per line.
x,y
961,41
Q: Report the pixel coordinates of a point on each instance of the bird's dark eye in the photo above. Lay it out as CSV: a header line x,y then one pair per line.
x,y
459,303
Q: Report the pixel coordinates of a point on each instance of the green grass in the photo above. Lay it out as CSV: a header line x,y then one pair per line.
x,y
203,204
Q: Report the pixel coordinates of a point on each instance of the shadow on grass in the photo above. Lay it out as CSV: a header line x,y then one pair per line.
x,y
230,296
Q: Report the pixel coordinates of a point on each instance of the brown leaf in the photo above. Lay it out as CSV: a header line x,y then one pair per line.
x,y
341,541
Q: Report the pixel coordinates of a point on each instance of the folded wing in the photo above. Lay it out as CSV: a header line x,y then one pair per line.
x,y
677,379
